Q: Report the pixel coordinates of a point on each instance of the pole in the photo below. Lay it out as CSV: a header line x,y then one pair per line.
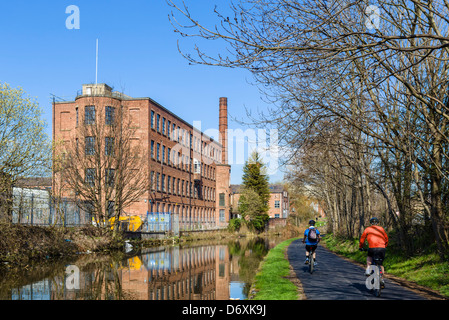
x,y
96,65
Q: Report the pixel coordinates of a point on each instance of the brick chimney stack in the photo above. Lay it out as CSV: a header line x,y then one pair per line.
x,y
223,128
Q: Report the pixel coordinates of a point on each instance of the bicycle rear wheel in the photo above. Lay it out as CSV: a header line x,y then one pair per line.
x,y
311,263
378,290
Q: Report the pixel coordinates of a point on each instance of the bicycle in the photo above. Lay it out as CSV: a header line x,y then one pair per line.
x,y
311,261
374,282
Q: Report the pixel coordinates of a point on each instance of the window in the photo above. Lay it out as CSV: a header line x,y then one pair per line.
x,y
163,183
158,175
222,215
221,199
152,181
90,174
158,151
163,154
77,116
111,205
196,166
109,176
89,115
158,120
168,155
152,149
152,119
109,115
277,204
89,209
109,146
163,125
168,128
89,146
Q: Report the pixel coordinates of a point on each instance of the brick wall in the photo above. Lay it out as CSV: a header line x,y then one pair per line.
x,y
172,147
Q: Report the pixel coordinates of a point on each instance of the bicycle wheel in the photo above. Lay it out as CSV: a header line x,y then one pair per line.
x,y
378,290
311,263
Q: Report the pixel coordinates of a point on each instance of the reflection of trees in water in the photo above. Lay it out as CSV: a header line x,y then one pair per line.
x,y
102,281
15,278
98,280
249,256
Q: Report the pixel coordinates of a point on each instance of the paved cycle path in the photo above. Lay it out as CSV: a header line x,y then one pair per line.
x,y
335,278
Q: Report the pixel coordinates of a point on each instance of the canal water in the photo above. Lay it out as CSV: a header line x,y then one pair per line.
x,y
208,271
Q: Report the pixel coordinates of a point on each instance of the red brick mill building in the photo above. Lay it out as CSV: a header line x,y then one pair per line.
x,y
193,184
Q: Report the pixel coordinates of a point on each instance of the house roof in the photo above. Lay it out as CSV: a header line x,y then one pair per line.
x,y
274,188
33,182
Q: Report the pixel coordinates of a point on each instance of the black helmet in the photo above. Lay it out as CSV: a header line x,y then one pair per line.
x,y
312,222
374,220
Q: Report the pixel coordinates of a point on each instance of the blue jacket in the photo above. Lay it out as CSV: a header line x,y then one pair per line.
x,y
306,234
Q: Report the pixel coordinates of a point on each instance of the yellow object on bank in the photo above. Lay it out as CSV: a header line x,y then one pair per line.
x,y
134,222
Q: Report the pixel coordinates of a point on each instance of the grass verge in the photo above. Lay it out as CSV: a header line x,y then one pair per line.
x,y
272,280
425,269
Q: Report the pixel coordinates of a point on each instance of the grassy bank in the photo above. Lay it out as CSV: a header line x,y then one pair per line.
x,y
272,281
425,269
22,245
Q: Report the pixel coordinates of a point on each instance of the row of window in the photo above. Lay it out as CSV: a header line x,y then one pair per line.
x,y
90,116
90,143
91,176
277,204
182,136
162,183
176,186
198,214
168,156
184,212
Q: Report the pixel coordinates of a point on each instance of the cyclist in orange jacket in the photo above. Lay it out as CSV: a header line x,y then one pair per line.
x,y
377,243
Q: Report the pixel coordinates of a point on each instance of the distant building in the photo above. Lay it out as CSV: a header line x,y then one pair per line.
x,y
193,184
34,183
278,204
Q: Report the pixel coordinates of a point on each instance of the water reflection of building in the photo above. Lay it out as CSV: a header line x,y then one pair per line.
x,y
40,290
195,273
209,272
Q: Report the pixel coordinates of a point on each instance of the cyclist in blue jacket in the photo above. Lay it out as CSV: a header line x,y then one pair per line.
x,y
311,239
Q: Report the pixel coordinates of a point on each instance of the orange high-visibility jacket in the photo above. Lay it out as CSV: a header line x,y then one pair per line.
x,y
377,237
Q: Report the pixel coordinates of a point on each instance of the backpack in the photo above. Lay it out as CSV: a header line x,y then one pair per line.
x,y
312,235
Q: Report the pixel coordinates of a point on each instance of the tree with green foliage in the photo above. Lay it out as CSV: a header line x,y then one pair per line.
x,y
25,148
253,203
254,177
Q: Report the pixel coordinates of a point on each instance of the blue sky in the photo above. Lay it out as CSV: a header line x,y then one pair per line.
x,y
138,55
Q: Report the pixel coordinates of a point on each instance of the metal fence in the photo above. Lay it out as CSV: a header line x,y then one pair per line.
x,y
161,222
37,207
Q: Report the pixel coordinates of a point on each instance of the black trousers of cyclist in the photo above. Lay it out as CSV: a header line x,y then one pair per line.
x,y
311,249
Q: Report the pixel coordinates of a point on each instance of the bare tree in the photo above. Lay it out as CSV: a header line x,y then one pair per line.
x,y
381,70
